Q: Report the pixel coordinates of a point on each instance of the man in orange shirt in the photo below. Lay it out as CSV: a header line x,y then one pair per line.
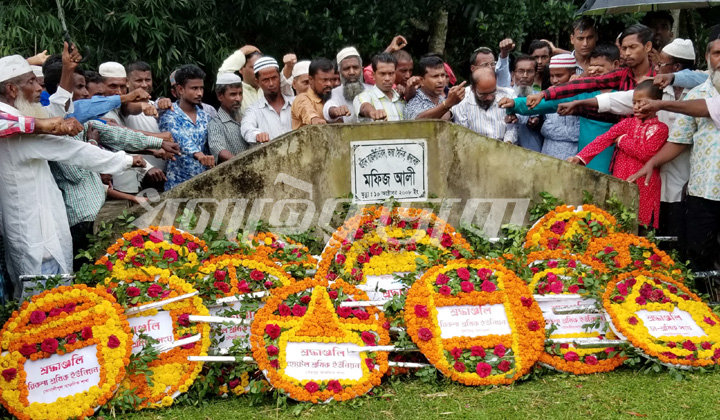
x,y
308,107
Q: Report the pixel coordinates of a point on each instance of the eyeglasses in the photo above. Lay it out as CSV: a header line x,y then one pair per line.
x,y
487,64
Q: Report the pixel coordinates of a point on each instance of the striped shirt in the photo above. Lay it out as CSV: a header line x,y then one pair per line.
x,y
224,134
11,124
83,191
620,79
394,108
489,123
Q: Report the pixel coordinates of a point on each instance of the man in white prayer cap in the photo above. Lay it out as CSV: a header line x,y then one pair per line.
x,y
270,116
300,77
340,106
34,222
224,136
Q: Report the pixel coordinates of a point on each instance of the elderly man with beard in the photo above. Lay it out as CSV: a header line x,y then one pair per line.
x,y
703,193
308,107
224,135
270,116
430,100
34,222
480,111
340,106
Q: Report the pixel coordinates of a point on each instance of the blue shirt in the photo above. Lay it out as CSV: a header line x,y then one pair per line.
x,y
192,138
95,107
44,98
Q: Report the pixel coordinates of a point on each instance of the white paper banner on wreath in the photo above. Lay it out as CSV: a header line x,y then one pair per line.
x,y
232,332
322,361
664,323
570,323
384,286
472,321
60,376
159,327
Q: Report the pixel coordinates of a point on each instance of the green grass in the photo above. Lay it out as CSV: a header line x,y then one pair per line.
x,y
623,394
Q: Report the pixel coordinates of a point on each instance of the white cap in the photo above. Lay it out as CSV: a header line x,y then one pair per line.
x,y
37,70
563,61
112,69
680,48
263,63
227,79
13,66
347,52
301,67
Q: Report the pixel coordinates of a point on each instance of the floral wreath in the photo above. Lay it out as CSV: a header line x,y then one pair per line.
x,y
561,273
623,252
309,311
649,291
172,373
568,227
294,257
163,247
59,322
476,360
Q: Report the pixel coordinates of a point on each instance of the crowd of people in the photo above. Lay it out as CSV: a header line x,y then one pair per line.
x,y
637,109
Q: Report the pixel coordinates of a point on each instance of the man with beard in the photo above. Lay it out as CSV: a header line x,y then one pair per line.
x,y
340,106
187,121
429,100
270,116
224,135
703,193
480,111
34,222
308,107
382,102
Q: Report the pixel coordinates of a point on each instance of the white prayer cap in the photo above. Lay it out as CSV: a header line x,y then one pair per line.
x,y
263,63
112,69
680,48
347,52
37,70
227,79
233,63
301,67
13,66
563,61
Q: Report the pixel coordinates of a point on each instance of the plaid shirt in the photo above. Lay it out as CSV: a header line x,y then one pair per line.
x,y
224,134
83,191
10,124
620,79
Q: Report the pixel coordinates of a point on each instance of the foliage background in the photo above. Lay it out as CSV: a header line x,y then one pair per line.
x,y
169,33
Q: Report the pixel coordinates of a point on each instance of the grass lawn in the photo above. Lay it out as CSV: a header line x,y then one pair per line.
x,y
623,394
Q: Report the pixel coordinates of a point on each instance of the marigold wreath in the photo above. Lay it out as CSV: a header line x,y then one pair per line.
x,y
568,227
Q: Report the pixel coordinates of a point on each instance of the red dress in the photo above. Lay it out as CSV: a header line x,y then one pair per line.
x,y
637,141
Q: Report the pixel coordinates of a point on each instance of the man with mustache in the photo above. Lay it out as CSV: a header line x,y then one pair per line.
x,y
430,100
340,106
382,102
308,107
224,137
270,116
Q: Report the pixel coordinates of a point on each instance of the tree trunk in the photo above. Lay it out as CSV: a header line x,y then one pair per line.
x,y
438,35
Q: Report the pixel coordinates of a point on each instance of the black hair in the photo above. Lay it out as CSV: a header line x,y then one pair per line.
x,y
52,72
251,55
643,33
480,50
320,64
658,15
188,72
137,66
383,58
93,77
582,24
608,51
429,61
402,55
651,88
536,44
714,32
524,57
221,89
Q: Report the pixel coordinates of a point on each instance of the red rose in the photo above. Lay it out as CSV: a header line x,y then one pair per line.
x,y
689,346
28,349
572,264
220,275
272,330
504,366
558,227
632,320
425,334
467,286
69,307
311,387
534,270
455,253
591,360
184,320
640,300
361,314
608,249
137,241
298,310
121,255
401,224
344,311
556,287
133,291
411,246
477,351
368,338
709,320
71,339
178,239
113,342
445,290
456,353
37,317
232,384
526,302
442,279
9,374
334,386
170,255
671,344
243,287
565,346
421,311
685,297
618,299
484,273
331,276
488,286
552,264
705,345
49,345
192,246
483,369
463,273
154,290
284,310
257,275
376,249
571,356
386,325
305,299
55,312
446,240
274,364
370,364
459,366
86,333
109,265
533,325
553,243
272,350
499,350
156,237
359,234
574,288
222,286
333,294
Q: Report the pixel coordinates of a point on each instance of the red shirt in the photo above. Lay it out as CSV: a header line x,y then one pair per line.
x,y
621,79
